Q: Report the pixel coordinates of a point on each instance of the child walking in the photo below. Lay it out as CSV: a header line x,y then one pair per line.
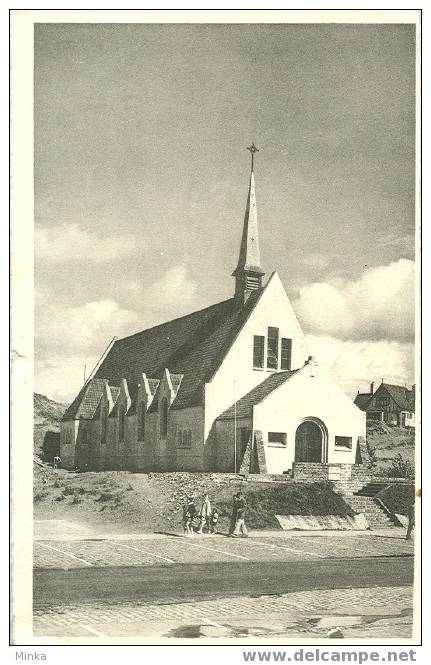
x,y
213,521
188,515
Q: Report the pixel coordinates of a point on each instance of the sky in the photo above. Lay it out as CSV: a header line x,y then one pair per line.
x,y
141,177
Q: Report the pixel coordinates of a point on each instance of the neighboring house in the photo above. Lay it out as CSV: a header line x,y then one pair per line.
x,y
189,393
394,405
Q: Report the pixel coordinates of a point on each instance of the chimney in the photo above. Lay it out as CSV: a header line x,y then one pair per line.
x,y
372,387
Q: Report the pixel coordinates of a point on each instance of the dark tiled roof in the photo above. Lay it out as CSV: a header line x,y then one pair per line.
x,y
153,384
362,399
401,395
115,391
192,345
85,403
245,404
176,380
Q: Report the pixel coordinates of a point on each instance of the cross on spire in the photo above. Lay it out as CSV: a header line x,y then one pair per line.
x,y
253,150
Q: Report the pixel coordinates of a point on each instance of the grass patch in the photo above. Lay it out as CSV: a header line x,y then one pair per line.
x,y
290,499
398,498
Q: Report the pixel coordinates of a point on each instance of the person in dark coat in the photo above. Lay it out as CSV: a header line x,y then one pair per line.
x,y
411,524
241,509
233,516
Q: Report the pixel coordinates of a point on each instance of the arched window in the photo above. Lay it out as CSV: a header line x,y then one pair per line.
x,y
121,419
103,424
189,438
141,421
164,418
180,438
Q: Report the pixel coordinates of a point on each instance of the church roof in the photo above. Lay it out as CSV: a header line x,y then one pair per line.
x,y
244,406
192,345
86,402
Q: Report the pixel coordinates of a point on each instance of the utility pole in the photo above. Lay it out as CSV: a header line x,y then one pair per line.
x,y
234,419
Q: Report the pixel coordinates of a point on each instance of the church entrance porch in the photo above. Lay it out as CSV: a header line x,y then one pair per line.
x,y
311,441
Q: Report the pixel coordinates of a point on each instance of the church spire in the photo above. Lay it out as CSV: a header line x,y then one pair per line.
x,y
248,273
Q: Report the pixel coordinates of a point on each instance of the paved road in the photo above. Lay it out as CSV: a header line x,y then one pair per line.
x,y
175,583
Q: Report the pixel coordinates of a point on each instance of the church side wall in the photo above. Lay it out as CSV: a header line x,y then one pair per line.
x,y
187,457
153,453
68,435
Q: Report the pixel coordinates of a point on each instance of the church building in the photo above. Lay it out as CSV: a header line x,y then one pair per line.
x,y
228,388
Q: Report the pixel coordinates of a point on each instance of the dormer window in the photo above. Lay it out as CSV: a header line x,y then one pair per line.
x,y
164,410
272,354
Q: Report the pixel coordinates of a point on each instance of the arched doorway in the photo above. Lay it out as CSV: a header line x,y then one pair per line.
x,y
310,441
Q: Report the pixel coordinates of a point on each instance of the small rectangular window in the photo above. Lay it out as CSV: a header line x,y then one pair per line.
x,y
184,438
343,442
286,353
258,351
272,358
277,439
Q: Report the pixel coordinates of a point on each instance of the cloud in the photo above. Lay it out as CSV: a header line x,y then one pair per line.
x,y
61,377
353,364
72,243
67,338
173,291
378,306
87,327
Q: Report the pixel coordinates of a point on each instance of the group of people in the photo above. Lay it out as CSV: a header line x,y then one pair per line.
x,y
207,516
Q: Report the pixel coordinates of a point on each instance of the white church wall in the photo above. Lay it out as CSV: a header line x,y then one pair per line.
x,y
304,396
236,376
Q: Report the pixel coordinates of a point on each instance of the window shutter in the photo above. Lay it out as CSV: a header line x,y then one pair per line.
x,y
258,351
272,357
286,353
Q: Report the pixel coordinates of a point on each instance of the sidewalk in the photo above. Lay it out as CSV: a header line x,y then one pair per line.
x,y
64,531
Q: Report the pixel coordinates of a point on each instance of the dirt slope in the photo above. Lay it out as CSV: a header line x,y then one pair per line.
x,y
47,416
389,442
124,501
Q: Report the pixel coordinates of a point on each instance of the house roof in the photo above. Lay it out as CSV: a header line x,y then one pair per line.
x,y
243,407
193,345
401,395
362,399
85,403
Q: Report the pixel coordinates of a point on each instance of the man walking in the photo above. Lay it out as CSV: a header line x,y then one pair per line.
x,y
233,516
241,509
411,524
205,514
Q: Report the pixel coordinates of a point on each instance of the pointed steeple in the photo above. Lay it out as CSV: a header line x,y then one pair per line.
x,y
248,273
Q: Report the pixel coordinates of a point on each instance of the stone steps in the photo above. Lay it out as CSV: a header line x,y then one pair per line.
x,y
375,515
